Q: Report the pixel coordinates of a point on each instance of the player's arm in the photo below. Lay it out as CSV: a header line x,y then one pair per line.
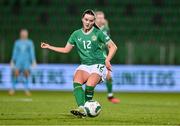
x,y
32,53
14,55
65,49
112,48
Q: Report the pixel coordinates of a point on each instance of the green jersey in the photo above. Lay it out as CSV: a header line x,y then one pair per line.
x,y
105,29
90,45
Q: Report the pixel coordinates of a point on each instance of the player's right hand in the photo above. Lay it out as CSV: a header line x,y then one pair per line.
x,y
34,64
44,45
108,65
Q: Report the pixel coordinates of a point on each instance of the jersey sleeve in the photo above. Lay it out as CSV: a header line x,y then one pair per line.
x,y
32,51
71,39
104,37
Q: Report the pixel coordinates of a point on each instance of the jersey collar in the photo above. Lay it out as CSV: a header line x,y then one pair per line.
x,y
87,33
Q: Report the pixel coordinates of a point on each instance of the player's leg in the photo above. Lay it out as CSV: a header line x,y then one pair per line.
x,y
92,81
80,78
111,98
98,72
15,74
26,82
109,84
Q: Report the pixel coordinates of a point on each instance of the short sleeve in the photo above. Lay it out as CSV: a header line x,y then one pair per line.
x,y
104,37
71,39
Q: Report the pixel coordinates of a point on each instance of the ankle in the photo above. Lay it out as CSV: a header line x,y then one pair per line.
x,y
111,97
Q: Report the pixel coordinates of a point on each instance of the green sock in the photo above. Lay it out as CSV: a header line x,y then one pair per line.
x,y
89,92
79,94
109,85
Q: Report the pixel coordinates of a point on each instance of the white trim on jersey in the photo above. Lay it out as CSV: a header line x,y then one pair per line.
x,y
108,41
87,33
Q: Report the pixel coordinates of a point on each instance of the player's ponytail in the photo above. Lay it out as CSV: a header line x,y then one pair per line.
x,y
95,25
90,12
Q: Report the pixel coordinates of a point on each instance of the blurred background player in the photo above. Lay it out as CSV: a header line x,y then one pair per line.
x,y
102,23
88,40
23,58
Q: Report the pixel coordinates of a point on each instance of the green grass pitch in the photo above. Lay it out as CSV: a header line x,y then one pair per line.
x,y
52,108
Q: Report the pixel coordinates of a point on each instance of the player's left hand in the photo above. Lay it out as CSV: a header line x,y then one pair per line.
x,y
108,65
34,64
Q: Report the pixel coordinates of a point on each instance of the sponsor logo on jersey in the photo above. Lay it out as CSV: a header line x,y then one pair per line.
x,y
94,38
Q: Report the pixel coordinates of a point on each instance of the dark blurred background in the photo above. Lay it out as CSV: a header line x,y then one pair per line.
x,y
145,31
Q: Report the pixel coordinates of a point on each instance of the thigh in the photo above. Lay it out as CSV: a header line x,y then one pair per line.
x,y
93,79
27,66
81,76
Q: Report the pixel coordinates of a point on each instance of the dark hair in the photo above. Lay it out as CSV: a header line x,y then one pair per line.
x,y
90,12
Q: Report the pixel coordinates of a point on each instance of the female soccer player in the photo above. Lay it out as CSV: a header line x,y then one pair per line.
x,y
90,43
103,25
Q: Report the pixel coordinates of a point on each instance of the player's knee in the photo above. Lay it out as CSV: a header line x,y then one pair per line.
x,y
26,73
108,76
109,79
93,82
16,73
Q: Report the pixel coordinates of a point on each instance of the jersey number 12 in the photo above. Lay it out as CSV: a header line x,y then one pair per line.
x,y
87,44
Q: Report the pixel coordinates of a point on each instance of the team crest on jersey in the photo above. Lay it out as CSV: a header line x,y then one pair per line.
x,y
94,38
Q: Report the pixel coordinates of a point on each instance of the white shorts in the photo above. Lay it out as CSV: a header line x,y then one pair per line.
x,y
100,69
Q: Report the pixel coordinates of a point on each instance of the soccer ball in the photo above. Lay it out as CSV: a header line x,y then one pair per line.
x,y
93,108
